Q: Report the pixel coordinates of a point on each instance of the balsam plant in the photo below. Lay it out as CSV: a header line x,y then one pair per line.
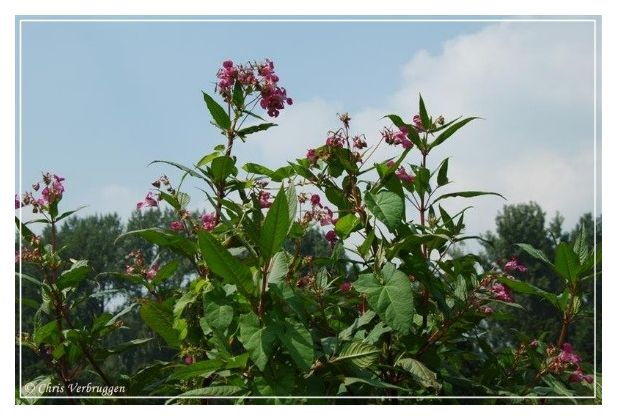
x,y
390,313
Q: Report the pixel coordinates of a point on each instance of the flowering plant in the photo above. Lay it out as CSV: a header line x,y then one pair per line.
x,y
391,311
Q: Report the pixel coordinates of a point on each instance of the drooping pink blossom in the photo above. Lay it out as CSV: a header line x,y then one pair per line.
x,y
315,200
176,225
188,360
149,201
311,155
417,121
345,287
502,292
17,202
264,199
331,237
402,174
534,343
577,376
209,221
567,355
514,264
487,310
151,273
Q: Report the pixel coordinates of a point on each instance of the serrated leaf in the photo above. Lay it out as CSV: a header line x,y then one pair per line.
x,y
420,373
203,368
386,206
74,275
297,340
424,117
567,263
218,316
447,133
222,167
276,226
221,262
536,253
218,113
254,129
279,267
257,340
392,300
361,354
466,194
213,391
160,318
529,289
346,224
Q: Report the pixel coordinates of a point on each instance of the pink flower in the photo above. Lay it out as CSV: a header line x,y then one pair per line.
x,y
17,202
345,287
487,310
402,174
390,163
568,356
311,155
359,142
209,221
176,225
151,273
326,217
577,376
315,200
501,292
149,201
418,123
188,360
534,344
406,143
264,199
514,264
331,237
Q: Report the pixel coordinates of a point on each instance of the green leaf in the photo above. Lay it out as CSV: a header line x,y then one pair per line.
x,y
346,224
221,262
258,341
292,202
580,247
276,226
255,168
529,289
420,373
466,194
128,345
359,353
165,272
392,300
237,96
450,131
43,332
222,167
208,158
536,253
442,175
160,318
68,213
386,206
71,277
213,391
279,267
166,239
203,368
426,120
254,129
297,340
218,316
218,113
567,262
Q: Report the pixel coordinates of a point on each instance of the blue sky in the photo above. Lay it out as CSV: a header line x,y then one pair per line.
x,y
102,100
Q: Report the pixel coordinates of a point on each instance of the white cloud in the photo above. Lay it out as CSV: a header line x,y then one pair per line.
x,y
532,83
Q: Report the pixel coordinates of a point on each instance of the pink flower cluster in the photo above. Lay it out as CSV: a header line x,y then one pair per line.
x,y
568,357
176,225
138,266
502,292
514,265
209,221
149,201
345,287
260,77
264,199
417,121
320,213
51,193
397,137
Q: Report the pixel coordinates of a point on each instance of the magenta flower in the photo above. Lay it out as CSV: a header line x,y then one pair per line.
x,y
331,237
188,360
17,202
209,221
345,287
326,217
176,225
577,376
264,199
418,123
402,174
502,292
315,200
514,264
487,310
311,155
149,201
567,355
151,273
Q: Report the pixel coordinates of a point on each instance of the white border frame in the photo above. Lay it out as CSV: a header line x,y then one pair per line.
x,y
24,19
